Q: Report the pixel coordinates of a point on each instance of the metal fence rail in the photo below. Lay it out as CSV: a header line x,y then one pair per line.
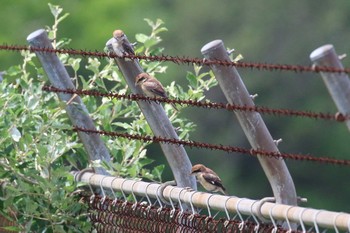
x,y
306,217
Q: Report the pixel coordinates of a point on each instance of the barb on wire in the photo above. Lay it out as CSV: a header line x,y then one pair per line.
x,y
339,117
182,60
252,152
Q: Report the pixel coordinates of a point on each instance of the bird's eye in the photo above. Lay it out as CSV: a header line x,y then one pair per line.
x,y
141,80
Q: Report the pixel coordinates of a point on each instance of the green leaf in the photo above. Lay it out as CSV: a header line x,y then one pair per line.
x,y
14,70
75,63
72,161
141,38
238,58
159,30
93,65
145,161
15,134
63,42
55,10
122,125
62,17
152,66
158,23
12,228
150,23
33,102
157,51
158,171
151,42
133,171
192,79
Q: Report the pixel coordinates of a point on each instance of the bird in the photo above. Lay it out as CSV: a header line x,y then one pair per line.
x,y
208,179
151,87
122,45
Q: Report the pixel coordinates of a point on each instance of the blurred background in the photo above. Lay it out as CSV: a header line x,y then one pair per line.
x,y
272,32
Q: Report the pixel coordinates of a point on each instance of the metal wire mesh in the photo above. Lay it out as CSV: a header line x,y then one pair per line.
x,y
4,223
108,215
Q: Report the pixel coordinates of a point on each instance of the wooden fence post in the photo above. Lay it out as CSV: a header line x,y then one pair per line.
x,y
159,123
338,84
76,110
253,125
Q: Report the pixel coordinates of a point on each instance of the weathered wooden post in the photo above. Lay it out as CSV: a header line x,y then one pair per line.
x,y
159,123
76,110
338,84
252,124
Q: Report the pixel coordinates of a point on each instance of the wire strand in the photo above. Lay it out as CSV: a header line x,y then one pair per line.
x,y
339,117
252,152
181,60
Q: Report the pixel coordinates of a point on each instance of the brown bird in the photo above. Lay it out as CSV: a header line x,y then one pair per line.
x,y
122,45
151,87
208,178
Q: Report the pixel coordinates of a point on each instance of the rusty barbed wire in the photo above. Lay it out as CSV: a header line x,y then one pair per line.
x,y
229,149
108,215
339,117
181,60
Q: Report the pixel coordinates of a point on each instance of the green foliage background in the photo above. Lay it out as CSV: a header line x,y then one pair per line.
x,y
275,31
39,150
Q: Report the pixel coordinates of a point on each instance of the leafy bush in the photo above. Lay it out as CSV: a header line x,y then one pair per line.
x,y
38,148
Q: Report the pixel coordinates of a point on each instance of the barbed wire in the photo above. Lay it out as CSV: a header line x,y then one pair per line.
x,y
252,152
181,60
339,117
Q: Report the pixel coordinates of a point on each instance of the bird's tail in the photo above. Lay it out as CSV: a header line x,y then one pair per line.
x,y
224,192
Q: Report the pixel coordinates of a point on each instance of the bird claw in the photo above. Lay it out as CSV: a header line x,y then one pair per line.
x,y
161,191
189,189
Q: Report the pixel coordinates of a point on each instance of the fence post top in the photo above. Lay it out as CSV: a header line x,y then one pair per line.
x,y
321,52
211,46
32,36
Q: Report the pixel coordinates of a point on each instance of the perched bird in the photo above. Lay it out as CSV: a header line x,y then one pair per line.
x,y
208,178
151,87
122,46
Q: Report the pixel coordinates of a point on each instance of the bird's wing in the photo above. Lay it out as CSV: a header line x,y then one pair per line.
x,y
155,87
128,48
215,180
